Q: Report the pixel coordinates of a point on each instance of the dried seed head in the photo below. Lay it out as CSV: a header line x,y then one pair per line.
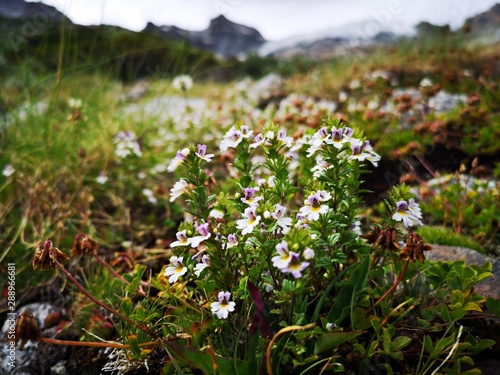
x,y
385,239
83,245
371,236
46,255
27,329
414,248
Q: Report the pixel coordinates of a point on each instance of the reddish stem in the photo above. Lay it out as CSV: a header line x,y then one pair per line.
x,y
95,344
396,283
100,303
113,272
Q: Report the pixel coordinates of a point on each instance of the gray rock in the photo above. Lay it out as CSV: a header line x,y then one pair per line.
x,y
165,107
444,102
489,287
137,91
59,368
23,358
266,87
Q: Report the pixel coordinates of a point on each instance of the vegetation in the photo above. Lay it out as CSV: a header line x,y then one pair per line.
x,y
278,259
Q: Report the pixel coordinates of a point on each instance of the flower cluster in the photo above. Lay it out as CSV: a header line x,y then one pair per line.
x,y
126,144
338,138
289,261
261,227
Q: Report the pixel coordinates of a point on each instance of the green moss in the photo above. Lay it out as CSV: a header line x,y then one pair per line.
x,y
444,236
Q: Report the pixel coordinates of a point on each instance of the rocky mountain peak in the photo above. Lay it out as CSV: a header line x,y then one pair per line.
x,y
223,37
20,9
485,21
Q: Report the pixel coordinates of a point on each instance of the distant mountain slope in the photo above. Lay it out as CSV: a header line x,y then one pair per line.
x,y
333,41
485,27
40,13
222,37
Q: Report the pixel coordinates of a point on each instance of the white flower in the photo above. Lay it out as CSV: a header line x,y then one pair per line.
x,y
179,188
249,196
295,266
204,234
317,140
8,170
251,220
182,239
313,207
320,167
259,140
178,159
283,258
150,195
282,137
278,215
232,139
175,270
102,178
182,82
205,262
202,149
74,103
232,241
224,306
425,82
338,139
410,217
216,214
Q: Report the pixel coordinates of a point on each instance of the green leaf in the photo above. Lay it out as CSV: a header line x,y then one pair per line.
x,y
136,279
126,306
357,282
482,345
428,344
458,314
467,360
457,297
402,341
134,344
493,305
329,341
472,306
424,323
196,359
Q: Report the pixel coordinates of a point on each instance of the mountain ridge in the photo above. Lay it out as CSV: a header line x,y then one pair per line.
x,y
223,37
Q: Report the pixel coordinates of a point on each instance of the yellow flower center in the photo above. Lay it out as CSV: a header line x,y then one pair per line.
x,y
294,264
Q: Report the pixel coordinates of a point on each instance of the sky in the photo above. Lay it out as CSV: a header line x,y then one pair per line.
x,y
275,19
